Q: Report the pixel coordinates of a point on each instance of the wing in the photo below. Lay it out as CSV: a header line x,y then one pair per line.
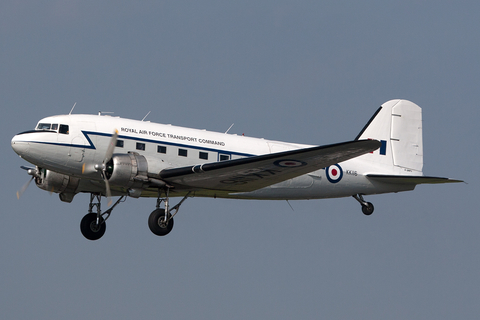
x,y
248,174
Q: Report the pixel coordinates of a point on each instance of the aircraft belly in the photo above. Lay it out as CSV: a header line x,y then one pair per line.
x,y
302,182
323,189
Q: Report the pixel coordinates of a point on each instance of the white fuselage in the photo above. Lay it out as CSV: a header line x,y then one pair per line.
x,y
166,146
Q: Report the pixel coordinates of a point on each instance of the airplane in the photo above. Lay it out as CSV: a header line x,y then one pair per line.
x,y
109,156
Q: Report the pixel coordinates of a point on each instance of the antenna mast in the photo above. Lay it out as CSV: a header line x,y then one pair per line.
x,y
229,128
72,108
146,115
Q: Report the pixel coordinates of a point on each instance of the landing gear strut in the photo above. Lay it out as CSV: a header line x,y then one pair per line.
x,y
93,224
160,221
367,207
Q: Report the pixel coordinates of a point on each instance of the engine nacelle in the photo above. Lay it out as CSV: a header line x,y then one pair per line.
x,y
56,182
127,170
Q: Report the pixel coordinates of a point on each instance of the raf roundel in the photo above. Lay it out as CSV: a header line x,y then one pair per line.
x,y
289,163
334,173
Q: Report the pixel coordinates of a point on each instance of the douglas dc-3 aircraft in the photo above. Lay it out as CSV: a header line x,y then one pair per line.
x,y
111,156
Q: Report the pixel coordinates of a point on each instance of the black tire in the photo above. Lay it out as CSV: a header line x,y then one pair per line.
x,y
368,209
156,224
89,228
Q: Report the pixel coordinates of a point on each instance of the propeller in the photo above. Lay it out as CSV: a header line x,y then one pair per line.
x,y
31,171
102,168
24,187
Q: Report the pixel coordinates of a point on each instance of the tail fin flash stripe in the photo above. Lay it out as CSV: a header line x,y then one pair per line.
x,y
383,148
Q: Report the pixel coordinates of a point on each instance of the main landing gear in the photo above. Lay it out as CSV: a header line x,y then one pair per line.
x,y
367,207
93,224
160,221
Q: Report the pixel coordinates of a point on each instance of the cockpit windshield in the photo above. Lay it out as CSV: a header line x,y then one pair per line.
x,y
53,127
44,126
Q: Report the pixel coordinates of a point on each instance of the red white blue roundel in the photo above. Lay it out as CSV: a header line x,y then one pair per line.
x,y
289,163
334,173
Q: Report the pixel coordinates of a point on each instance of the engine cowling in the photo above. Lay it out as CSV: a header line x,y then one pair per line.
x,y
127,170
56,182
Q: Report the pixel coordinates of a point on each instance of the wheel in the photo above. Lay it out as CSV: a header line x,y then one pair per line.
x,y
367,209
157,224
89,227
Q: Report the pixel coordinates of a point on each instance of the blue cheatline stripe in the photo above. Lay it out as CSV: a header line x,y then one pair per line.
x,y
93,133
91,145
383,148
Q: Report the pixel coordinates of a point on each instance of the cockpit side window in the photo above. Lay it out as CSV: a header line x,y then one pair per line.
x,y
64,129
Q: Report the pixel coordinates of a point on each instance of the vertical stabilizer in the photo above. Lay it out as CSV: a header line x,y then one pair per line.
x,y
398,125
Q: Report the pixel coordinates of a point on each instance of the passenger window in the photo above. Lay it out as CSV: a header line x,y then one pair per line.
x,y
141,146
224,157
203,155
64,129
119,144
161,149
182,152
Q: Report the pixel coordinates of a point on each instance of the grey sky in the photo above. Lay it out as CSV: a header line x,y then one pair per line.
x,y
300,71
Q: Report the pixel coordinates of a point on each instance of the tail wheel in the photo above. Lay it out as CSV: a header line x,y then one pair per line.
x,y
157,223
367,209
89,227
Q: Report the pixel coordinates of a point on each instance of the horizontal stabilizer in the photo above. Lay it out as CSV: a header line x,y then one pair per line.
x,y
410,179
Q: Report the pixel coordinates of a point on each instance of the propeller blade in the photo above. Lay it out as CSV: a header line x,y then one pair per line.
x,y
24,187
109,192
108,156
88,168
102,168
111,147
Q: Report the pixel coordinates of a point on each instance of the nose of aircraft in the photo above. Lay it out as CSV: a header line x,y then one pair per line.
x,y
19,145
